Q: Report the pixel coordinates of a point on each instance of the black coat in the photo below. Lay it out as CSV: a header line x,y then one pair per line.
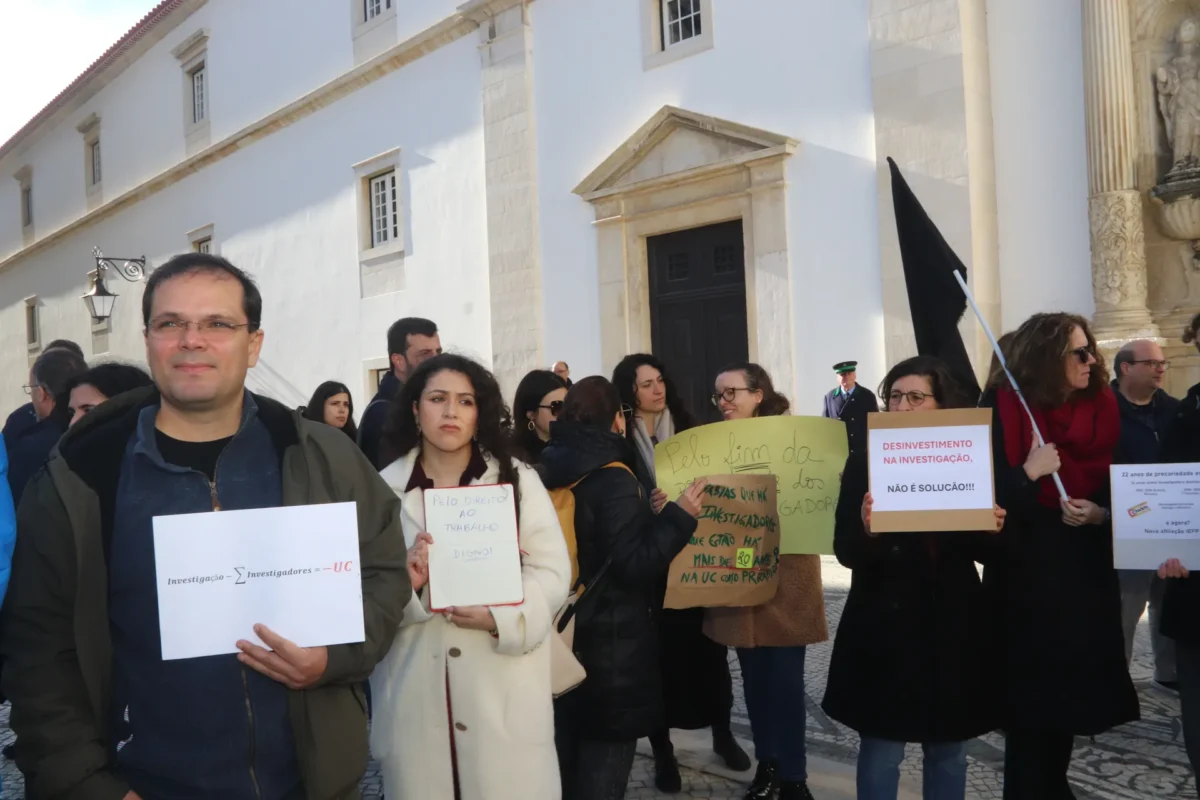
x,y
1059,613
374,419
29,450
853,411
616,628
1144,429
914,656
1180,618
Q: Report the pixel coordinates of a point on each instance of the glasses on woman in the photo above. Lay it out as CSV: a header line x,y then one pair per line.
x,y
1084,353
915,398
728,395
555,407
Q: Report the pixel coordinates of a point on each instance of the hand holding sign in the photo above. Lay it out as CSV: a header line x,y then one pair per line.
x,y
1172,568
295,667
692,499
418,561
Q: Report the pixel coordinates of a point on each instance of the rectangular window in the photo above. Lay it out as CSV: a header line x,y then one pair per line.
x,y
385,209
95,148
199,97
680,21
32,327
373,8
26,206
203,245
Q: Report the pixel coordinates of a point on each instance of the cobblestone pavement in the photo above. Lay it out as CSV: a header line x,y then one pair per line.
x,y
1136,761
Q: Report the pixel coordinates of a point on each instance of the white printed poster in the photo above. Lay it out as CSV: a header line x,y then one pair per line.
x,y
475,558
1156,515
294,569
931,470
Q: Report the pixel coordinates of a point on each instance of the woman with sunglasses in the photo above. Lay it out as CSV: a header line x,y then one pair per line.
x,y
772,639
538,402
912,661
697,686
1062,649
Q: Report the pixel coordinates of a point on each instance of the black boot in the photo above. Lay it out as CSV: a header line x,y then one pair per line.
x,y
766,781
730,751
795,790
666,771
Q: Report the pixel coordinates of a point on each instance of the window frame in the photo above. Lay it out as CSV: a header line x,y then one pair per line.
x,y
192,54
25,204
389,232
33,324
656,51
93,160
203,236
198,79
372,35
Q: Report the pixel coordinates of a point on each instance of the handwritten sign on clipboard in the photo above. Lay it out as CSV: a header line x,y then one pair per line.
x,y
475,558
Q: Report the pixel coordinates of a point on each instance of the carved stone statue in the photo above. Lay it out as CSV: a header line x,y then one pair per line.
x,y
1179,98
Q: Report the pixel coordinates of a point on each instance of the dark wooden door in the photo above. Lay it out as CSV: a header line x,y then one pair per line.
x,y
698,307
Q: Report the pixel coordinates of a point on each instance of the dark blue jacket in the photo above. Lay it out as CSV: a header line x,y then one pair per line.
x,y
28,451
24,417
1144,428
231,737
370,429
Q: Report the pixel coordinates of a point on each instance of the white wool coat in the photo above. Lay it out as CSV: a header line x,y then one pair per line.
x,y
499,687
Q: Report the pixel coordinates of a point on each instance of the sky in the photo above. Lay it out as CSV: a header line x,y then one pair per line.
x,y
46,44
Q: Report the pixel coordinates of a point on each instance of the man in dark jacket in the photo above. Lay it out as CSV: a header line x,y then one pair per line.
x,y
28,450
25,416
411,341
97,712
850,403
1146,415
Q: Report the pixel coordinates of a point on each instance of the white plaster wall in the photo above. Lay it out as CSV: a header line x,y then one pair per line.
x,y
1036,52
414,16
795,67
284,209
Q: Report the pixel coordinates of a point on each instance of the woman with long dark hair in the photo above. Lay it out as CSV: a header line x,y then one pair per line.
x,y
462,702
1054,582
332,404
697,687
772,639
625,550
538,402
913,660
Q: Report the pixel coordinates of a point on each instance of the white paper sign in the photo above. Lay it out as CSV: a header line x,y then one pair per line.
x,y
931,468
1156,515
475,559
294,569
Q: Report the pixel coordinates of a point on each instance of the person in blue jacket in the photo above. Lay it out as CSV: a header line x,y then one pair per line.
x,y
8,523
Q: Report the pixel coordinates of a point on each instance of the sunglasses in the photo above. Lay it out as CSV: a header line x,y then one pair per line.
x,y
555,407
1083,353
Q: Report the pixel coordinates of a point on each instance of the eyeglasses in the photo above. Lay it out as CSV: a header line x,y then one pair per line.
x,y
1083,353
1153,362
915,398
211,330
626,410
555,407
28,388
729,395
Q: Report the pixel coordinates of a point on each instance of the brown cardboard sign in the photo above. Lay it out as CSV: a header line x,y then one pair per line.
x,y
733,556
931,470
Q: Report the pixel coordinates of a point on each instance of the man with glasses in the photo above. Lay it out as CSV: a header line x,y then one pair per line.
x,y
29,448
96,710
1146,415
25,416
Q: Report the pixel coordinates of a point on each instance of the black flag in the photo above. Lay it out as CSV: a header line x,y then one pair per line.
x,y
935,299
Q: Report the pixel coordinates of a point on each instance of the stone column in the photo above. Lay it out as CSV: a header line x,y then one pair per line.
x,y
509,143
1114,203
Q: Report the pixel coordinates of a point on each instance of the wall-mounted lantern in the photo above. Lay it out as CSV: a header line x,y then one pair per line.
x,y
98,299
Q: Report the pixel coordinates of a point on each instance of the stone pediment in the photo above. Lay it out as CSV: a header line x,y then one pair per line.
x,y
676,144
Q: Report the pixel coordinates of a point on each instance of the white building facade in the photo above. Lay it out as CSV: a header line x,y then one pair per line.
x,y
562,180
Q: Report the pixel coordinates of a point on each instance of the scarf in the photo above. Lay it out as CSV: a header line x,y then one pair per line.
x,y
1085,429
641,437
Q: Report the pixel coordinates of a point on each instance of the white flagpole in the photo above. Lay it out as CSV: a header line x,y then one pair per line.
x,y
1062,491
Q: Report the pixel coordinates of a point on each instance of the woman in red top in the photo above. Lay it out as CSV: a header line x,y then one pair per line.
x,y
1054,586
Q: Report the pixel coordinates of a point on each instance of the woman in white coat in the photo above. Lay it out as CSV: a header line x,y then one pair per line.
x,y
462,702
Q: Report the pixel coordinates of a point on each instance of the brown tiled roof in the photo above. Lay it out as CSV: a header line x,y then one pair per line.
x,y
123,45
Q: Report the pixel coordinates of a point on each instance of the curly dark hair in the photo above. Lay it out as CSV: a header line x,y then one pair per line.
x,y
493,428
947,390
315,410
758,380
1192,332
1036,354
624,377
109,379
533,387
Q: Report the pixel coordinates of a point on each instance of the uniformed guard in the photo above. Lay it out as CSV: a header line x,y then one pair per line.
x,y
850,403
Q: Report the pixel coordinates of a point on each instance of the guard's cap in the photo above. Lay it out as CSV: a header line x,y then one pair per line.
x,y
843,367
